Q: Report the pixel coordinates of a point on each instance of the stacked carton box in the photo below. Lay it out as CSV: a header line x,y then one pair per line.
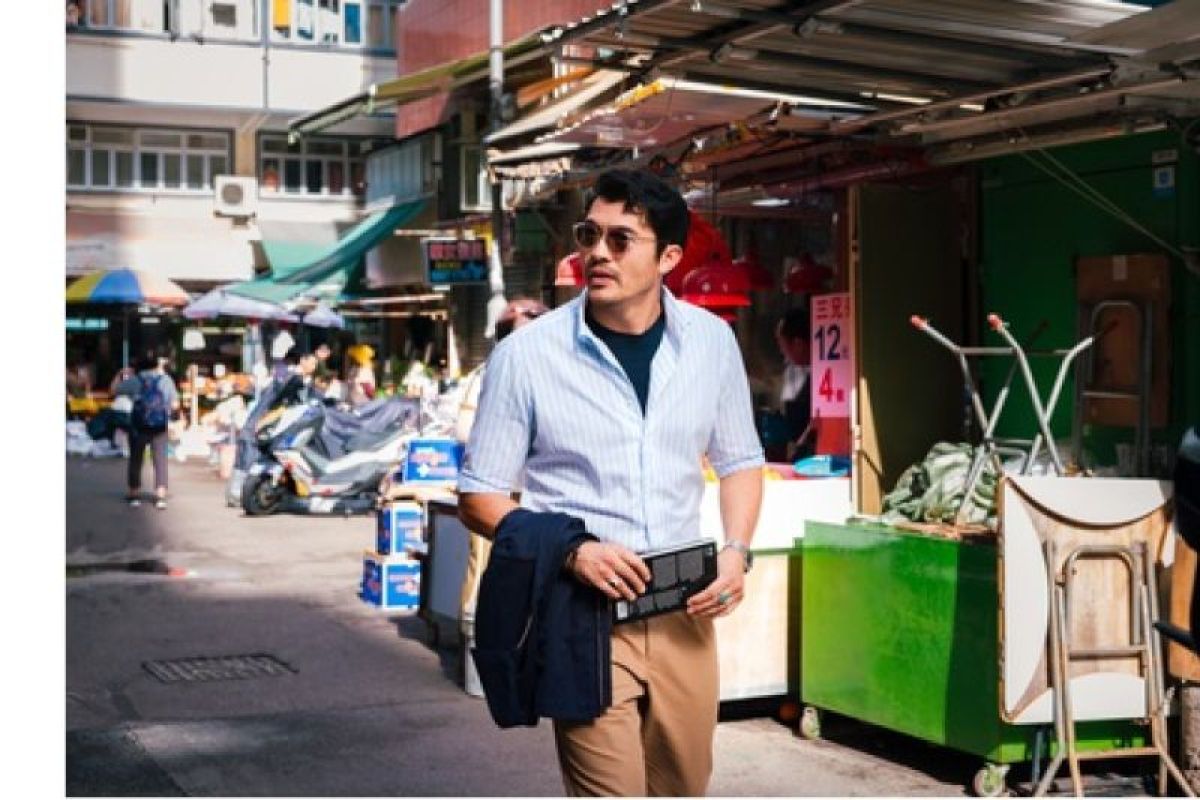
x,y
391,576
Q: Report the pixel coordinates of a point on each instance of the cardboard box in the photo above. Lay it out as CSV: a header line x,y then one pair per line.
x,y
433,461
392,583
399,525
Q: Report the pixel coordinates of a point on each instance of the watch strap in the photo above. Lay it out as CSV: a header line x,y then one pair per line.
x,y
747,556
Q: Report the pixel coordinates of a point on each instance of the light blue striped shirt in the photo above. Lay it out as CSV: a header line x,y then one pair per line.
x,y
558,411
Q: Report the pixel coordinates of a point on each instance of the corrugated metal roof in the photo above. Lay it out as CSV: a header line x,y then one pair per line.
x,y
961,58
665,110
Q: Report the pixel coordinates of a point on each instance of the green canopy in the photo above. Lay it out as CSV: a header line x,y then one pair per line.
x,y
296,270
286,256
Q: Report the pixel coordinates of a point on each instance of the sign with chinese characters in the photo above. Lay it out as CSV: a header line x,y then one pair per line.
x,y
832,359
451,261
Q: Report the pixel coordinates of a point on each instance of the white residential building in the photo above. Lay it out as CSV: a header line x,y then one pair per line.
x,y
166,97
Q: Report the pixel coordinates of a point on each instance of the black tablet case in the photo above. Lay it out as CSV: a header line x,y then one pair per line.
x,y
677,573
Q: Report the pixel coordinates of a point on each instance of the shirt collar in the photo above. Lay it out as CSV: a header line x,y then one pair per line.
x,y
677,320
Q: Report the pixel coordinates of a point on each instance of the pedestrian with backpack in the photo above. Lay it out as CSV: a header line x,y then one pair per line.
x,y
155,398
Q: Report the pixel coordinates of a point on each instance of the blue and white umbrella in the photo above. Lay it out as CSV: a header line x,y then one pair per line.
x,y
221,303
322,316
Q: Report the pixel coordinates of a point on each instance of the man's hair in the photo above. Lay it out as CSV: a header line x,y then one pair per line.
x,y
794,324
647,195
146,361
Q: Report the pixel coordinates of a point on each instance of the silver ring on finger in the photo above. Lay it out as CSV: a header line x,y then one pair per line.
x,y
614,582
723,598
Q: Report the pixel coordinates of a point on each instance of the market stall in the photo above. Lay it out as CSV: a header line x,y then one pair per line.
x,y
758,642
1024,633
900,629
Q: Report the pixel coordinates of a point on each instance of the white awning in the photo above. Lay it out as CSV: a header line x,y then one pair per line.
x,y
591,88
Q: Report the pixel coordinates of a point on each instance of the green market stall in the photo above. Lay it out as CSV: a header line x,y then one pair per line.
x,y
903,629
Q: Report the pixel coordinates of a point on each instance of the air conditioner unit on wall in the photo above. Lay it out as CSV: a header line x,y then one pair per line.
x,y
235,196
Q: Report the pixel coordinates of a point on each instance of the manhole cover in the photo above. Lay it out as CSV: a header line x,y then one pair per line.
x,y
218,668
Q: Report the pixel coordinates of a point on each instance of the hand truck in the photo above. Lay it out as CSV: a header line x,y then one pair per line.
x,y
991,447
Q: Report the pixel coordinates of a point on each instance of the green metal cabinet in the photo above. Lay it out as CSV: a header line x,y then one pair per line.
x,y
900,630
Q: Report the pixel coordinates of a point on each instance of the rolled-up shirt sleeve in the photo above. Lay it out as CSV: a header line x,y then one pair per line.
x,y
734,444
500,438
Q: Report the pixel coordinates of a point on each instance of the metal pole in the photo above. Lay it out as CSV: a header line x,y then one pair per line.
x,y
265,38
495,120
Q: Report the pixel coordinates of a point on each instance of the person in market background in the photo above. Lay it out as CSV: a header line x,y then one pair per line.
x,y
517,314
155,399
299,381
281,345
624,377
323,371
360,376
795,396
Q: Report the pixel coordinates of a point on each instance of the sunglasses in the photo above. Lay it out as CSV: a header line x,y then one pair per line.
x,y
618,240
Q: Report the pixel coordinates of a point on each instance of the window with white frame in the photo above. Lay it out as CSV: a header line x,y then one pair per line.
x,y
313,166
402,173
110,157
348,23
137,15
221,19
475,192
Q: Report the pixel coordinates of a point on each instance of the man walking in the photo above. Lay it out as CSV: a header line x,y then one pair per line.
x,y
155,399
603,410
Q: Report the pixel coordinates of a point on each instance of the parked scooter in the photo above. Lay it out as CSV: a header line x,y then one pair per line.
x,y
264,411
321,460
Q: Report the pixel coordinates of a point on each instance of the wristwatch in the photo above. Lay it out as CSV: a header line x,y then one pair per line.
x,y
747,556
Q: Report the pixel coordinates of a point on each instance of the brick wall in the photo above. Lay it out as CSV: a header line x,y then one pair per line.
x,y
436,31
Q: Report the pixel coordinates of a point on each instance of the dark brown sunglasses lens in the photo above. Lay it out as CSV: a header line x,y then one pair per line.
x,y
619,241
586,235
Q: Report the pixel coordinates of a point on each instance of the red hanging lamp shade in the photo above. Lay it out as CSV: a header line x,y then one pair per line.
x,y
704,242
719,287
758,276
569,271
806,276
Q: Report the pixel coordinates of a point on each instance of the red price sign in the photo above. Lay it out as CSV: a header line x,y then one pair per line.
x,y
832,358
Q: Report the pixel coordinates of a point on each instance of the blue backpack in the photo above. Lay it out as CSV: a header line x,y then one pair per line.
x,y
150,412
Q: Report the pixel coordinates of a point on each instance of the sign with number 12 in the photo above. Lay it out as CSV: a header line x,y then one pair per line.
x,y
832,358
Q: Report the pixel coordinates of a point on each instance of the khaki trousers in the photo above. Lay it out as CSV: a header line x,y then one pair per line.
x,y
479,550
656,739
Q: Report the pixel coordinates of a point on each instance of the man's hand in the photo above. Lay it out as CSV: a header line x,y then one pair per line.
x,y
728,586
616,571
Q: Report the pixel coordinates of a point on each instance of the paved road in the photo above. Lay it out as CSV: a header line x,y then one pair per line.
x,y
366,707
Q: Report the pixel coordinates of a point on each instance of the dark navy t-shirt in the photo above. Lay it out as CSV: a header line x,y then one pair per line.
x,y
634,352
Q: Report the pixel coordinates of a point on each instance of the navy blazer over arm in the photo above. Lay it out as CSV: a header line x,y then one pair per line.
x,y
542,645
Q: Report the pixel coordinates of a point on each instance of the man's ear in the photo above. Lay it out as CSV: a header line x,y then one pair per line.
x,y
670,258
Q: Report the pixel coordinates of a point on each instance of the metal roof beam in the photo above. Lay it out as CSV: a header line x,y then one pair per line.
x,y
710,72
892,19
692,47
622,10
1077,106
978,97
740,31
1061,58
